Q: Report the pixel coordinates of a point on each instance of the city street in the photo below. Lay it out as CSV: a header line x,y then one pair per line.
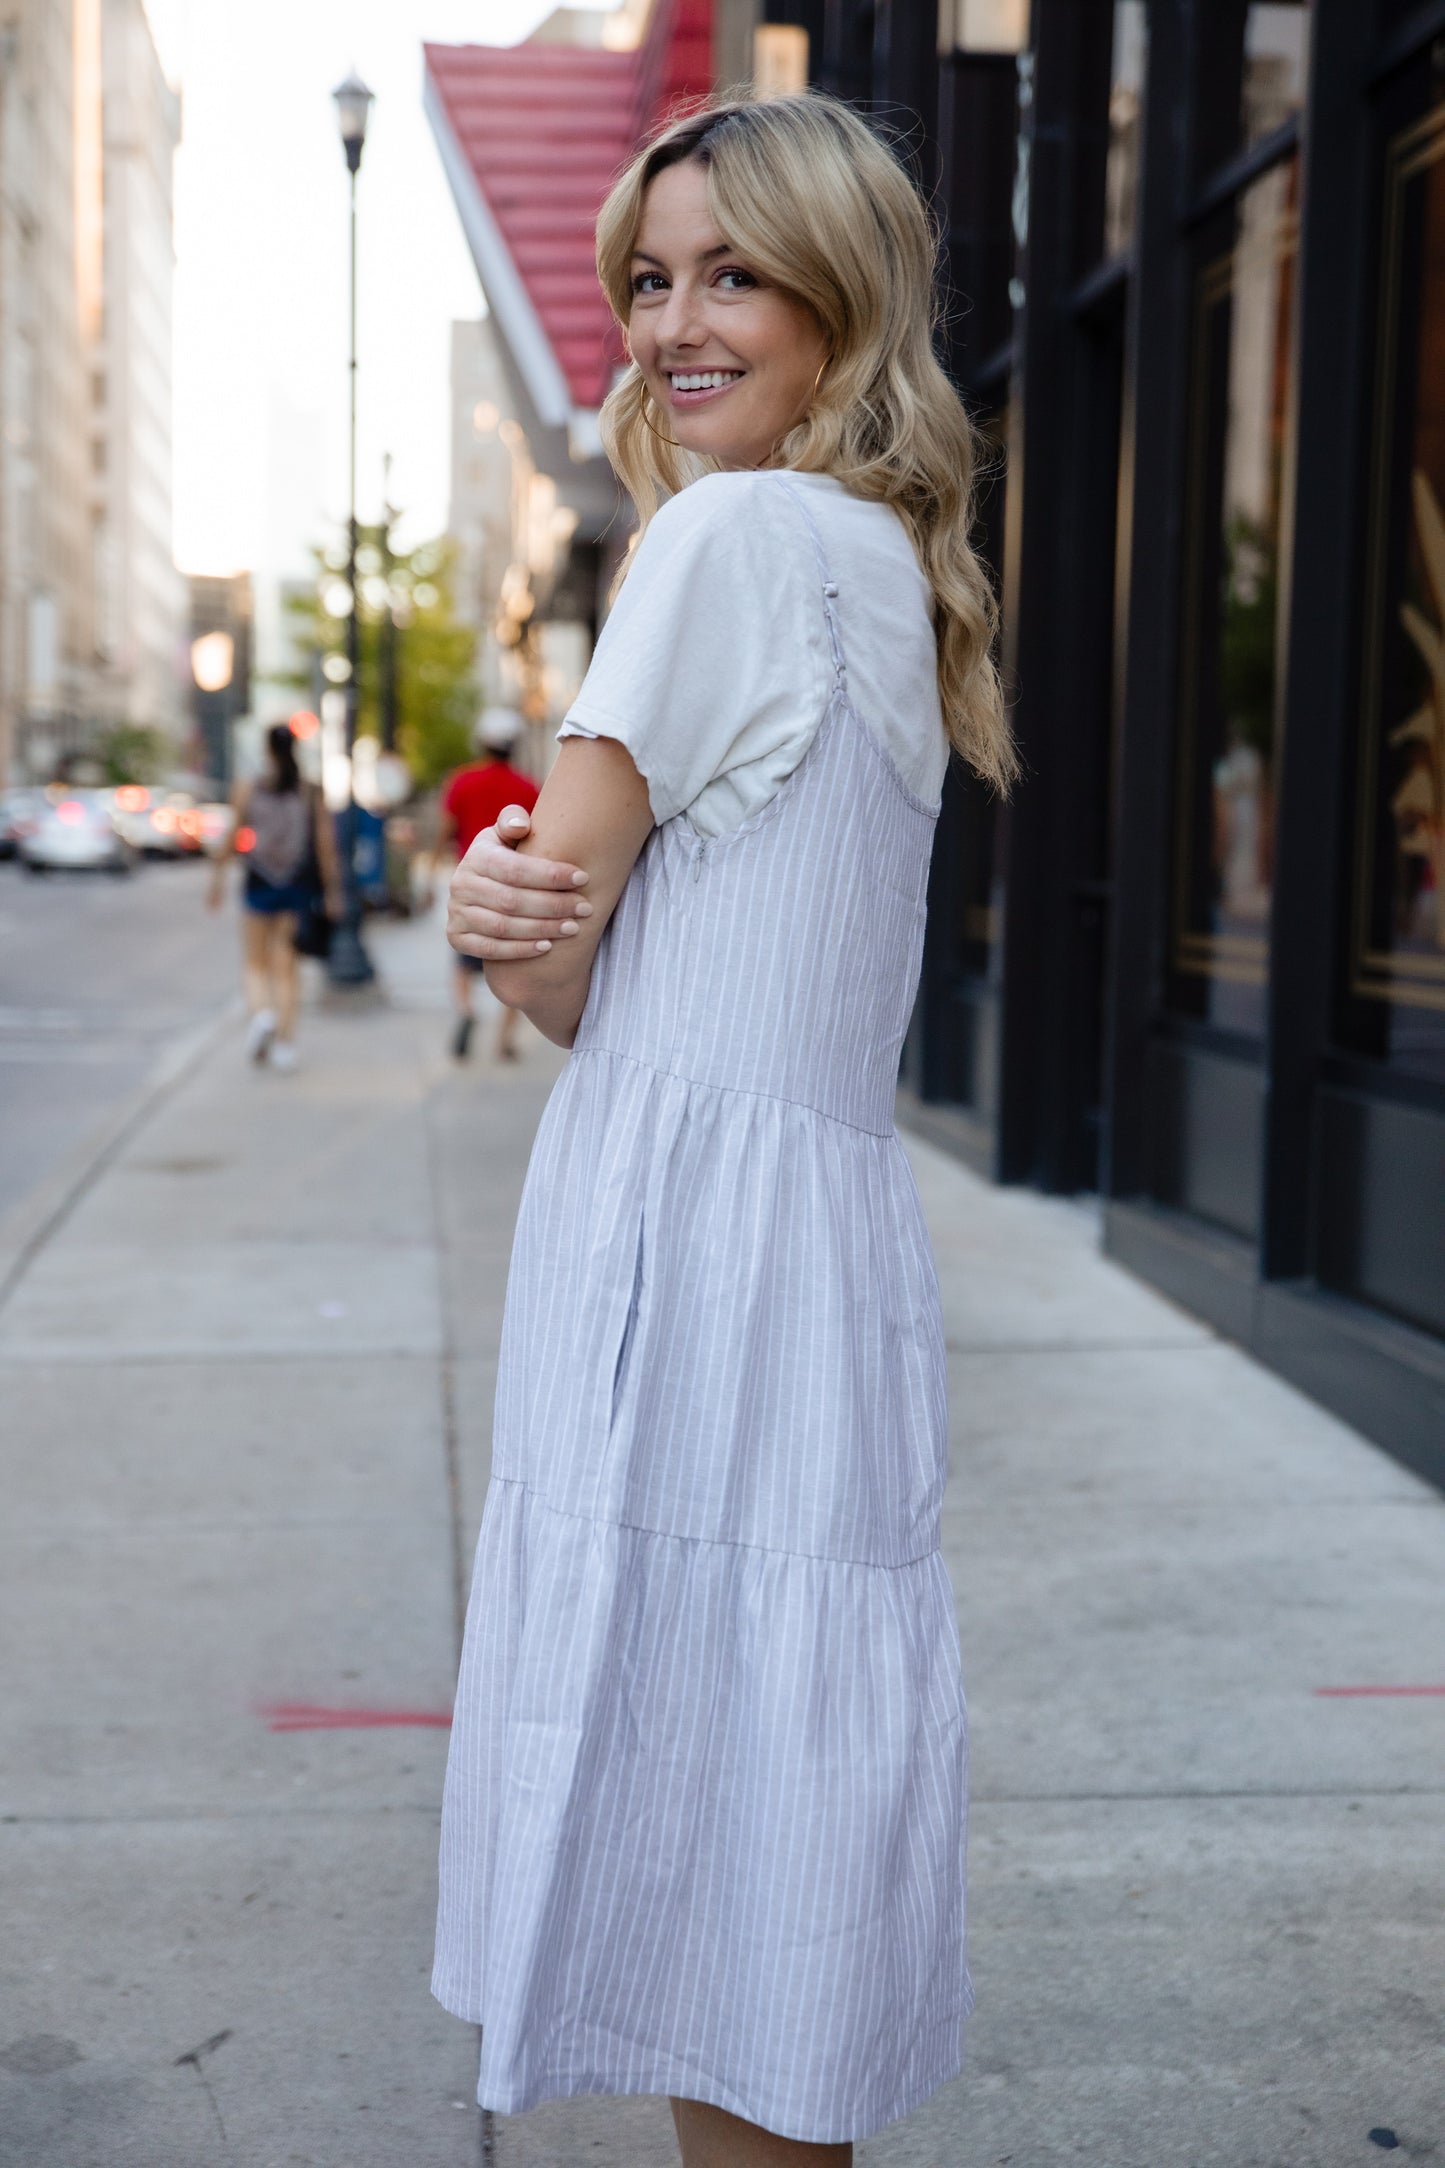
x,y
246,1387
100,981
1035,715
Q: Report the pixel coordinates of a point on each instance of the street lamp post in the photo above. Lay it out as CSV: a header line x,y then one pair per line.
x,y
387,659
349,964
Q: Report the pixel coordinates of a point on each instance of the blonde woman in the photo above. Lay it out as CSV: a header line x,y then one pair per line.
x,y
704,1820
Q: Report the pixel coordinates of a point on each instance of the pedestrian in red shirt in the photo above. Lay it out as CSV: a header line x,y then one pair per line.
x,y
471,801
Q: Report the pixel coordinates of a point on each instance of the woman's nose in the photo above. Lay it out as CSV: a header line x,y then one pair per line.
x,y
681,321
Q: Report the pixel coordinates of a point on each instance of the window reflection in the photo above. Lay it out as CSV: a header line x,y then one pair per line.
x,y
1126,112
1231,692
1400,915
1276,66
981,922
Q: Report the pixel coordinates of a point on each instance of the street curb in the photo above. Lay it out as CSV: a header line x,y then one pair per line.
x,y
30,1224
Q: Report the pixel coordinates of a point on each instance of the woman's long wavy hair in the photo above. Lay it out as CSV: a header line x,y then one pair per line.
x,y
811,196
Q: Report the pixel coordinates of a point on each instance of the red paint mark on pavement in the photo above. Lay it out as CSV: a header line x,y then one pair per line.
x,y
309,1716
1345,1692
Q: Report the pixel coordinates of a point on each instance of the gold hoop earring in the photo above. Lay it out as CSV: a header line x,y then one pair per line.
x,y
671,442
818,379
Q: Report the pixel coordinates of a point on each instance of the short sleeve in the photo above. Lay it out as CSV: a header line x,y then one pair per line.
x,y
714,656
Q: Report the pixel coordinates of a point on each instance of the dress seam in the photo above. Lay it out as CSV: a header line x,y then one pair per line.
x,y
713,1543
741,1091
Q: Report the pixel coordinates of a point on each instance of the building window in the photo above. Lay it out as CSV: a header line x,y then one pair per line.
x,y
1232,679
1398,934
1276,66
1126,113
780,60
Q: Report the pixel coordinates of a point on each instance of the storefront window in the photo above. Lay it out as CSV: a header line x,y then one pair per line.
x,y
1126,113
1232,684
982,918
1398,963
1276,66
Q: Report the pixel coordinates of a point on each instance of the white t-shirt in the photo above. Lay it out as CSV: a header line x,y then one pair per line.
x,y
714,669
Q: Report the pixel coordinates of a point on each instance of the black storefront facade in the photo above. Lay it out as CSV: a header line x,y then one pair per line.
x,y
1196,254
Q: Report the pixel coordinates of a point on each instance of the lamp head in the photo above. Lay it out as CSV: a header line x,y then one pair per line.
x,y
353,105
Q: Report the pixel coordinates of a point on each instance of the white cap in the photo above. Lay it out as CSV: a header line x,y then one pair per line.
x,y
499,729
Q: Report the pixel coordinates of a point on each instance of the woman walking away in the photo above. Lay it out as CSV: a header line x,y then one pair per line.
x,y
704,1820
292,853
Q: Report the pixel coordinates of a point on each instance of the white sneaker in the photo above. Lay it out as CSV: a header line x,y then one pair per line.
x,y
259,1033
283,1055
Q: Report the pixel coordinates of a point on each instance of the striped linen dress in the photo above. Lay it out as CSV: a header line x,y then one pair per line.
x,y
703,1830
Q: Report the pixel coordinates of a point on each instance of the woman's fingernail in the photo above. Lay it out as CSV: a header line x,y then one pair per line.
x,y
569,925
584,909
542,947
578,879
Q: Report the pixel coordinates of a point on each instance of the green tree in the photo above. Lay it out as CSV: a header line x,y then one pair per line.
x,y
437,696
135,753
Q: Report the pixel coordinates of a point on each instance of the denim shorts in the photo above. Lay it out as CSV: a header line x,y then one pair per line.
x,y
269,898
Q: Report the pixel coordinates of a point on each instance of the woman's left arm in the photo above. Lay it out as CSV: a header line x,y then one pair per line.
x,y
594,813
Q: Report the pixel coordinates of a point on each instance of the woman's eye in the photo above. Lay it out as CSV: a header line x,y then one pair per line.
x,y
647,282
736,280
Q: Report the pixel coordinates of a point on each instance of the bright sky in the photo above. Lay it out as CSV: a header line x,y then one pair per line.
x,y
261,236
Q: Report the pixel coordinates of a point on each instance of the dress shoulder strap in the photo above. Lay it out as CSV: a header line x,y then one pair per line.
x,y
826,581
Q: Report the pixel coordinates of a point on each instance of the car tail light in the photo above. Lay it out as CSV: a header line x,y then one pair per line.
x,y
245,839
71,811
132,798
164,818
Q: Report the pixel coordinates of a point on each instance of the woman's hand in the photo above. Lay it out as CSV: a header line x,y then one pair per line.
x,y
594,812
503,907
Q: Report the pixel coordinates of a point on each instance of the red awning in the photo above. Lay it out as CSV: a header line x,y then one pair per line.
x,y
532,136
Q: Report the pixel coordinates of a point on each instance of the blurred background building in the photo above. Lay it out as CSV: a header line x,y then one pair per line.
x,y
92,611
49,321
140,607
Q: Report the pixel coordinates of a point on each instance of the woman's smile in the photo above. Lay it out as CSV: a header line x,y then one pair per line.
x,y
694,387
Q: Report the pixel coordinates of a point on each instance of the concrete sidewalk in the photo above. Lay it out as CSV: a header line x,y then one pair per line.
x,y
244,1403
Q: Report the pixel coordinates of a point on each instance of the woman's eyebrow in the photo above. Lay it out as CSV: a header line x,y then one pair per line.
x,y
640,255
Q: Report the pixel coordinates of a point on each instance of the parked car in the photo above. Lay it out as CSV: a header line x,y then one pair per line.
x,y
158,823
74,829
18,808
216,820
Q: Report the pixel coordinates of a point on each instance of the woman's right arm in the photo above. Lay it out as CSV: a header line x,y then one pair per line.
x,y
240,807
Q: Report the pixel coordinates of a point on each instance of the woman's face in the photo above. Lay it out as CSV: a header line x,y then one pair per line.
x,y
730,359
